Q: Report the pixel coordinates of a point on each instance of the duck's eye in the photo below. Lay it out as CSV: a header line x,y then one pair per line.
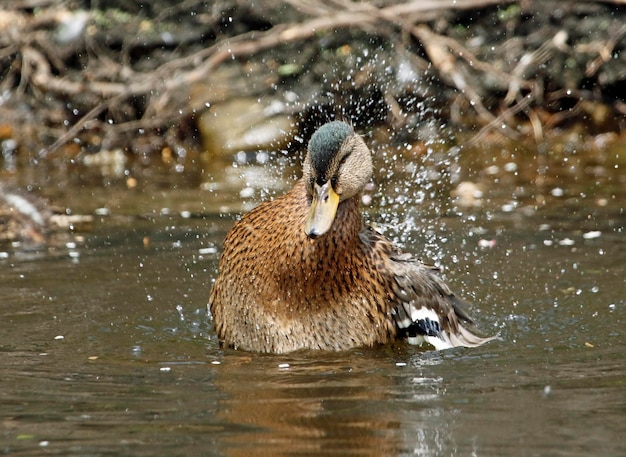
x,y
333,182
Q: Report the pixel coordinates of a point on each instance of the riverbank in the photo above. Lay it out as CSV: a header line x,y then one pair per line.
x,y
152,79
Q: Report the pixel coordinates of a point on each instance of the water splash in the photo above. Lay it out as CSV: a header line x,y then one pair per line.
x,y
413,181
381,90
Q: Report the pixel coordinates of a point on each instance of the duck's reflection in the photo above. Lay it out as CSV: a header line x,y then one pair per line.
x,y
356,403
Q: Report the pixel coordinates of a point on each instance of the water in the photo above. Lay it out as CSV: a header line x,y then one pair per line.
x,y
107,349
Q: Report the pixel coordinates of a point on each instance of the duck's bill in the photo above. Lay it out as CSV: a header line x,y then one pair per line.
x,y
322,211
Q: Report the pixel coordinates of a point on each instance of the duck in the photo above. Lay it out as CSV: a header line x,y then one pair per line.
x,y
305,272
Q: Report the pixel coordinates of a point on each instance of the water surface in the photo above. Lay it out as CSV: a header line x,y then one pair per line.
x,y
107,348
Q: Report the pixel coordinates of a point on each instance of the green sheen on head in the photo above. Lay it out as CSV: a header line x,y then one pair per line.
x,y
325,143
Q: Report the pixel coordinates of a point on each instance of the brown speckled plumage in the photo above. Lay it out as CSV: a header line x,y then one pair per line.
x,y
280,289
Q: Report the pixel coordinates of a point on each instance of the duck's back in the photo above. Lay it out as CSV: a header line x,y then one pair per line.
x,y
279,291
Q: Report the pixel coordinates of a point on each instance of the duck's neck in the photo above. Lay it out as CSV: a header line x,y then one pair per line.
x,y
348,220
344,232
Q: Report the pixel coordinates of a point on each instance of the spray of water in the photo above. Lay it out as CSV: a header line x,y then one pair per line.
x,y
380,90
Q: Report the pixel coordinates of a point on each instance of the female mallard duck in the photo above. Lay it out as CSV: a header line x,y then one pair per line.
x,y
304,272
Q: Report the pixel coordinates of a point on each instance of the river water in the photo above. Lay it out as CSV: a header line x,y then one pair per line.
x,y
106,346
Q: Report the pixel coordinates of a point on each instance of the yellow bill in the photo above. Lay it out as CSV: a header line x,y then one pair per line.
x,y
322,211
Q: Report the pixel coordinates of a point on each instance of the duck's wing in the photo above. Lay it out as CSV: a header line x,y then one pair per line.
x,y
424,307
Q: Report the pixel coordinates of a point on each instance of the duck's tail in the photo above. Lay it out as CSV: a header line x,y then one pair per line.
x,y
427,311
443,331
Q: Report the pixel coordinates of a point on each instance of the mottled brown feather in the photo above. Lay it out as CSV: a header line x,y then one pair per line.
x,y
279,291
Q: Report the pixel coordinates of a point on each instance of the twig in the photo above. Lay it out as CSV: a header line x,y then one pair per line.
x,y
497,122
94,112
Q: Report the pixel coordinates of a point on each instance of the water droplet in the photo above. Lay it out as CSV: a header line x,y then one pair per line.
x,y
547,390
167,38
510,167
557,192
262,157
246,192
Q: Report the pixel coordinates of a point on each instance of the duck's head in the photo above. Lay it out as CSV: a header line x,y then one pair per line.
x,y
338,165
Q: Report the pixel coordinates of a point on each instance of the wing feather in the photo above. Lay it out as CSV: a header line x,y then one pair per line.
x,y
424,307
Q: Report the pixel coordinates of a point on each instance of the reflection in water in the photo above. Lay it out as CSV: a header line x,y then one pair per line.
x,y
357,403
